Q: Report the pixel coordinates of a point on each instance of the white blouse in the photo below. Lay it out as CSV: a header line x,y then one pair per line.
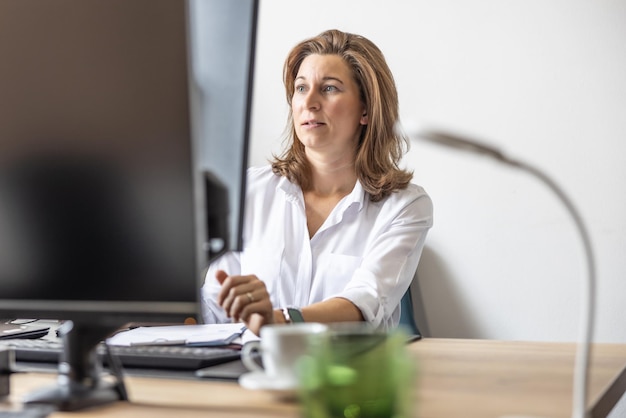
x,y
366,252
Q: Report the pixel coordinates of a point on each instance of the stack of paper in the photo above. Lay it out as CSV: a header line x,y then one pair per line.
x,y
206,335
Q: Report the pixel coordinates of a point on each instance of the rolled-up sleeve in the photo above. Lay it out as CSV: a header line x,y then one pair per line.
x,y
389,261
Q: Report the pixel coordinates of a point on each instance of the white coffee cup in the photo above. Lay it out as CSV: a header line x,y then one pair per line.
x,y
280,347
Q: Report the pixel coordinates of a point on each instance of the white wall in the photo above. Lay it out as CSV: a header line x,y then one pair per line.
x,y
543,80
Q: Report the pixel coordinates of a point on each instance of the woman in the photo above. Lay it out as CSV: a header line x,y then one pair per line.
x,y
333,227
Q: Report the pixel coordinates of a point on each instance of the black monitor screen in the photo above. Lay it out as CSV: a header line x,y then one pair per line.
x,y
115,116
95,153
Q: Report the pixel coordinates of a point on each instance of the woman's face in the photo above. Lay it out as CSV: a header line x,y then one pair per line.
x,y
327,111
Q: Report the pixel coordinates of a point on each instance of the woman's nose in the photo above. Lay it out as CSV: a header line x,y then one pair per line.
x,y
311,100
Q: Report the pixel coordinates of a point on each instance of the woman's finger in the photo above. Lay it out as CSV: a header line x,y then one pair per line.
x,y
230,285
248,300
259,304
240,291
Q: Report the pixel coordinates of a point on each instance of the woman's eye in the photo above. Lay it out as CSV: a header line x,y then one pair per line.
x,y
300,89
329,88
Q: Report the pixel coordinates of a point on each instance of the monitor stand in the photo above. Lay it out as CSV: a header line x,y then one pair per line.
x,y
79,383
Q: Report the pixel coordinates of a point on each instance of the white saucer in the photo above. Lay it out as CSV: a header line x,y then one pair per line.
x,y
260,381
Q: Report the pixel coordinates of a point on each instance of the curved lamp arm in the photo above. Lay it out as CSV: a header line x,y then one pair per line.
x,y
583,354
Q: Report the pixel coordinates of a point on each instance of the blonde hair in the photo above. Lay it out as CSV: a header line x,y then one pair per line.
x,y
380,147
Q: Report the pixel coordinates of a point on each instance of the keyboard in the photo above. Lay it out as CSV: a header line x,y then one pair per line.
x,y
173,357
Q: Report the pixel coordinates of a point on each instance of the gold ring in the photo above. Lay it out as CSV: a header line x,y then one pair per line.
x,y
250,297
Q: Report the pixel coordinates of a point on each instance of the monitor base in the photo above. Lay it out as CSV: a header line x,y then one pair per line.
x,y
74,396
80,382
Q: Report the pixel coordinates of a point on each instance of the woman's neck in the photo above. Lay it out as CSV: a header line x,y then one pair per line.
x,y
329,184
331,177
332,180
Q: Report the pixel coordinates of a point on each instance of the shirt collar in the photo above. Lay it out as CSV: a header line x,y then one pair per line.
x,y
292,191
356,197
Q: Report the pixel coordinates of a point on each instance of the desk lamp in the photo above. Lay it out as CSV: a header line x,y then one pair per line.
x,y
583,353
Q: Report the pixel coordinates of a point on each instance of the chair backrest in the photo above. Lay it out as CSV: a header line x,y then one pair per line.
x,y
407,315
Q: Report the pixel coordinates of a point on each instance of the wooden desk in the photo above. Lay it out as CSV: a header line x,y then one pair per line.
x,y
457,378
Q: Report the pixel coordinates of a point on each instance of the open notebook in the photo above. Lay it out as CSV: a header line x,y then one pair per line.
x,y
205,335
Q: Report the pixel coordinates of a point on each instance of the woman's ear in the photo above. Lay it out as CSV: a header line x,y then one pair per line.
x,y
364,119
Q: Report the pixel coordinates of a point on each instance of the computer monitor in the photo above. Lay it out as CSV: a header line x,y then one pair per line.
x,y
123,151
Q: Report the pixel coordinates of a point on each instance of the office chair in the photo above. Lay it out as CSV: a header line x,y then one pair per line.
x,y
407,316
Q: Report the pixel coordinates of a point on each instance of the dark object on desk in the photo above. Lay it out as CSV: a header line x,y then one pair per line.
x,y
10,331
153,357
